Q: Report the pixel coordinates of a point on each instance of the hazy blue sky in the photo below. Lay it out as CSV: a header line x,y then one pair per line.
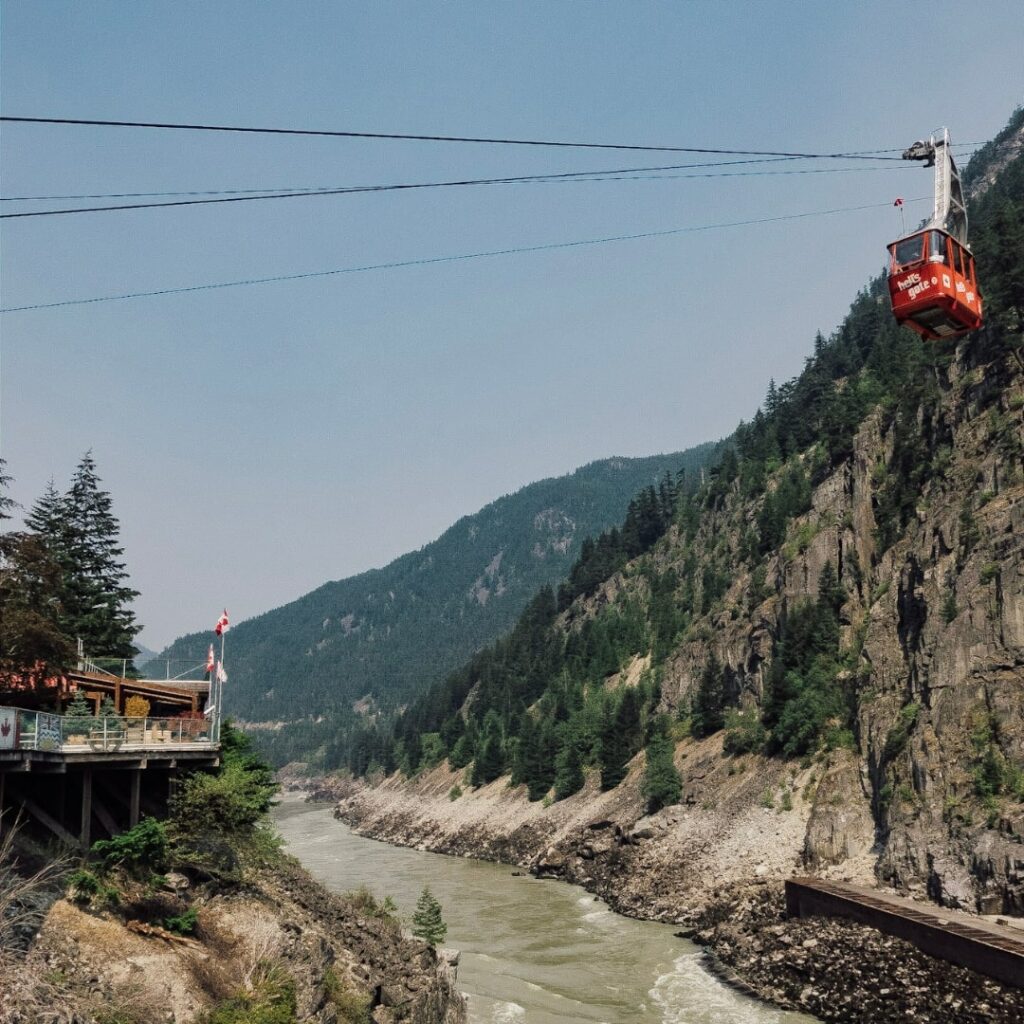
x,y
259,441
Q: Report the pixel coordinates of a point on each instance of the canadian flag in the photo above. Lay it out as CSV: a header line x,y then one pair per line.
x,y
209,660
222,623
222,676
898,202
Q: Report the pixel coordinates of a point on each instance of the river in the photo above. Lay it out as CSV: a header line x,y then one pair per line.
x,y
533,951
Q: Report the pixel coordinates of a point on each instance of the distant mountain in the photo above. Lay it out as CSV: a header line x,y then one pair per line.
x,y
144,656
387,634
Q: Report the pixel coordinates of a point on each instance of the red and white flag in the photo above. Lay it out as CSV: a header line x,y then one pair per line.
x,y
209,661
898,202
222,676
222,623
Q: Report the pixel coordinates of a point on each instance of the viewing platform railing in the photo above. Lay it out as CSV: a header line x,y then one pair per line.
x,y
39,730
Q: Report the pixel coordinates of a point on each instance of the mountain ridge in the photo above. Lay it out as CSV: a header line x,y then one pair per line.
x,y
371,634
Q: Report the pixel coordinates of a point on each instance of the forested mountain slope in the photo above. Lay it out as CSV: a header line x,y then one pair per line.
x,y
846,592
390,632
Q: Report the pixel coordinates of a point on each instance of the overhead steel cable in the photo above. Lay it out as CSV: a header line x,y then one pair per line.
x,y
570,176
428,261
877,154
582,176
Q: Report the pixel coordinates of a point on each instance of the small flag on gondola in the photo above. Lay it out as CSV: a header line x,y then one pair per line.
x,y
222,623
898,202
209,661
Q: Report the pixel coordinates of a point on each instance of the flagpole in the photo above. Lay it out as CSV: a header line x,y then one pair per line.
x,y
220,682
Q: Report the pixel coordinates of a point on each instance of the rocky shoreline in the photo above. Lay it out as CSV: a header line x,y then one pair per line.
x,y
670,867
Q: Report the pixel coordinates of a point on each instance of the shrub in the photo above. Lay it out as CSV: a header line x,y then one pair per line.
x,y
136,707
989,571
744,733
145,845
271,1000
899,734
182,924
352,1007
455,792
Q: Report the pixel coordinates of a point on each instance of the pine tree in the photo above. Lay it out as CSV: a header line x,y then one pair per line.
x,y
490,762
96,597
32,643
568,767
7,503
620,738
662,785
708,710
427,923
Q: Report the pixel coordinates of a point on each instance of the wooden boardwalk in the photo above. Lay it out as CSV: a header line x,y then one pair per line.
x,y
983,946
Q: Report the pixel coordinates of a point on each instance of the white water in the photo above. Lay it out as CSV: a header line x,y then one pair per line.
x,y
535,952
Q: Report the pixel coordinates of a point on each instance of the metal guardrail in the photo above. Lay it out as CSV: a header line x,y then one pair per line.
x,y
67,734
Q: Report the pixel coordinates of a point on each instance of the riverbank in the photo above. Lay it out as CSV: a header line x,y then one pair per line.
x,y
716,869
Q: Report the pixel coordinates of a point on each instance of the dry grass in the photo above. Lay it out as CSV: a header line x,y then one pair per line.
x,y
22,892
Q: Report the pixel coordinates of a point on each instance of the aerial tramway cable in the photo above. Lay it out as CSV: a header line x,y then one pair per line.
x,y
427,261
396,136
625,174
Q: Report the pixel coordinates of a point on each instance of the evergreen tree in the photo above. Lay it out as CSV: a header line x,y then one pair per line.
x,y
97,598
569,777
32,643
708,710
662,785
80,530
427,923
490,762
620,738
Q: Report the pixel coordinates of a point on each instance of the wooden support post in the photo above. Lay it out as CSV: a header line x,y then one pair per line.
x,y
135,786
83,835
51,823
117,697
106,819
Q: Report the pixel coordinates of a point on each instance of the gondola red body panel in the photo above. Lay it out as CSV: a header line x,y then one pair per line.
x,y
933,286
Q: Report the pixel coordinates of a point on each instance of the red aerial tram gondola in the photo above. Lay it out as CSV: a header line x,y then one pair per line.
x,y
932,280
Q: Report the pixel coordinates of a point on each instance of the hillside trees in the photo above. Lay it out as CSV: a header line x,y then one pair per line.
x,y
663,578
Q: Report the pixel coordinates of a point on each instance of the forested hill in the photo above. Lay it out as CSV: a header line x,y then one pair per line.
x,y
389,633
846,590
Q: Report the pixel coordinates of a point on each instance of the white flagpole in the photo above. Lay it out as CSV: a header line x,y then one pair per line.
x,y
220,681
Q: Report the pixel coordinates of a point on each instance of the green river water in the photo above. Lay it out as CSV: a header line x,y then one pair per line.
x,y
533,951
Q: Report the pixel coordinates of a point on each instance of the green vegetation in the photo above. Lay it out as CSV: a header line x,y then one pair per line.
x,y
144,846
63,578
269,1000
804,698
427,923
661,785
182,924
352,1007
